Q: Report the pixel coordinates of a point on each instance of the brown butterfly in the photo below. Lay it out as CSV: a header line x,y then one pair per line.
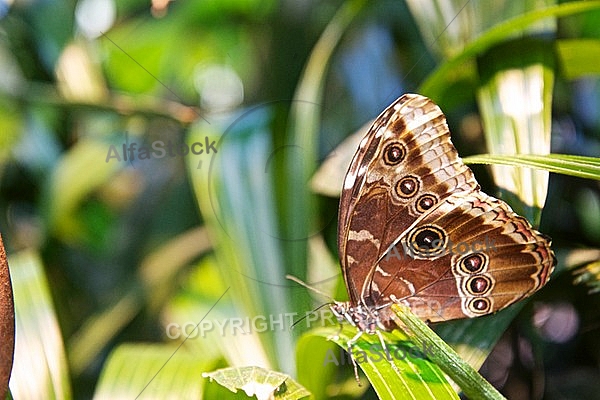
x,y
415,228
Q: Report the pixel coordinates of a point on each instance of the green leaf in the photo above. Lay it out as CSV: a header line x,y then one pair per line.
x,y
152,371
515,100
580,166
585,264
235,195
474,338
11,123
157,276
414,376
442,77
579,57
316,378
300,206
39,350
448,25
81,171
590,275
259,382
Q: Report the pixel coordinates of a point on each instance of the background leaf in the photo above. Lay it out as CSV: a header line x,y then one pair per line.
x,y
40,358
158,372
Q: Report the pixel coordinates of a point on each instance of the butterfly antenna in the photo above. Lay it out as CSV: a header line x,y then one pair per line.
x,y
306,316
299,282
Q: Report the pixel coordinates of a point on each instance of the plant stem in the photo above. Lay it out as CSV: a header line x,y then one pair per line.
x,y
470,381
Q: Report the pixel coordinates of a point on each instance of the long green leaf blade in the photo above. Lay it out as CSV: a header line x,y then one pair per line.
x,y
300,205
40,366
152,371
579,166
414,377
440,79
235,196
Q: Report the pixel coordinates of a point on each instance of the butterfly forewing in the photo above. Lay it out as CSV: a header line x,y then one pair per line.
x,y
404,165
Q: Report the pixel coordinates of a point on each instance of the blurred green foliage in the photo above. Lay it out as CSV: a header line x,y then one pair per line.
x,y
130,247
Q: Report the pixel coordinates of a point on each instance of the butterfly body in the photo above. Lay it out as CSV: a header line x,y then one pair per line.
x,y
415,228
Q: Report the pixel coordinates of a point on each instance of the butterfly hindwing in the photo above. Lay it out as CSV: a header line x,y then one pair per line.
x,y
470,257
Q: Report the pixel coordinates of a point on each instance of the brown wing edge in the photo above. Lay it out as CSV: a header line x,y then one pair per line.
x,y
7,323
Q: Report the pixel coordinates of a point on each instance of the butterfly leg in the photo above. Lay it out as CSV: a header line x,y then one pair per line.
x,y
350,343
387,352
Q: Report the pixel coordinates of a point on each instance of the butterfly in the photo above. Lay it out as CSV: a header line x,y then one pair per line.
x,y
415,229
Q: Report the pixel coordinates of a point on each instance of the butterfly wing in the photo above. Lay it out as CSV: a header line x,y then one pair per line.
x,y
405,165
471,256
406,186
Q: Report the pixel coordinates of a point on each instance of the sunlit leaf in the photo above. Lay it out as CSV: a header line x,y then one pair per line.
x,y
439,80
580,166
449,25
590,275
40,366
236,198
152,371
259,382
467,378
413,376
585,265
515,100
